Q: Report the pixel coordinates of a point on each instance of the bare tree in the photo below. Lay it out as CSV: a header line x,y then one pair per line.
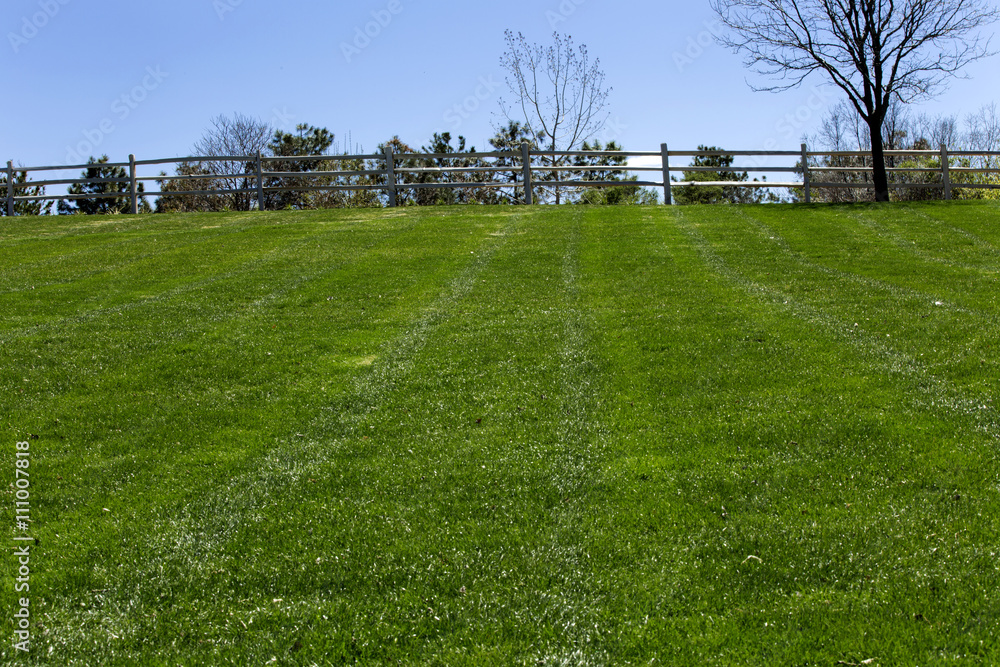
x,y
983,134
939,130
984,129
873,50
841,131
557,93
196,178
237,136
837,124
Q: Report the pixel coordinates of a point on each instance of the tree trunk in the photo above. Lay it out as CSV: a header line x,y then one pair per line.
x,y
555,175
879,175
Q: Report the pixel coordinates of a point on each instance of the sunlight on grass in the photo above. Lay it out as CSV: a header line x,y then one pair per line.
x,y
537,436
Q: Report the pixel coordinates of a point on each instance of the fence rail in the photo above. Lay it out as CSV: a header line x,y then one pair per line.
x,y
527,170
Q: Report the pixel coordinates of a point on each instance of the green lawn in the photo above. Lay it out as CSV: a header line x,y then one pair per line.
x,y
483,436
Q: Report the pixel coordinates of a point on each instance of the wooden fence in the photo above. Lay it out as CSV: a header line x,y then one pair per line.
x,y
526,170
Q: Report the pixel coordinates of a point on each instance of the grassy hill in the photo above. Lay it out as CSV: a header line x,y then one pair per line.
x,y
539,436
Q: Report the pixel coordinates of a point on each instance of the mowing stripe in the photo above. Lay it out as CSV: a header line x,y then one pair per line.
x,y
983,243
574,605
867,219
256,265
938,394
899,293
525,436
186,545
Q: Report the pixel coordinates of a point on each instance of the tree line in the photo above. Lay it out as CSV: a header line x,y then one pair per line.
x,y
882,56
843,130
230,185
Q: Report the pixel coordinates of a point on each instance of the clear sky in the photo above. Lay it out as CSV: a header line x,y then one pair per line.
x,y
146,77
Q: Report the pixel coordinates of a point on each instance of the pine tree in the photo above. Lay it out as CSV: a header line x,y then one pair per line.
x,y
24,207
306,141
509,139
720,170
110,197
591,170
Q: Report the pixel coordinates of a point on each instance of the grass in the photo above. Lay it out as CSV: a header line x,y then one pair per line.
x,y
538,436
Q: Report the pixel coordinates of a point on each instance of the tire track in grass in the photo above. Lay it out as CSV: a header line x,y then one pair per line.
x,y
975,319
327,268
937,215
549,596
865,218
735,259
195,541
906,299
100,243
937,395
985,244
201,319
103,248
253,265
14,235
183,551
899,292
576,607
396,360
542,562
204,319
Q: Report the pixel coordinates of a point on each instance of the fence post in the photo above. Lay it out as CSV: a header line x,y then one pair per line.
x,y
667,197
945,171
805,172
260,183
10,187
526,173
133,186
390,175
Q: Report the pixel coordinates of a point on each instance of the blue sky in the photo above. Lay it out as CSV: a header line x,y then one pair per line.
x,y
146,77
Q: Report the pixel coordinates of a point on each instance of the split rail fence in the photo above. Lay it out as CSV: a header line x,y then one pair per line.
x,y
525,169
